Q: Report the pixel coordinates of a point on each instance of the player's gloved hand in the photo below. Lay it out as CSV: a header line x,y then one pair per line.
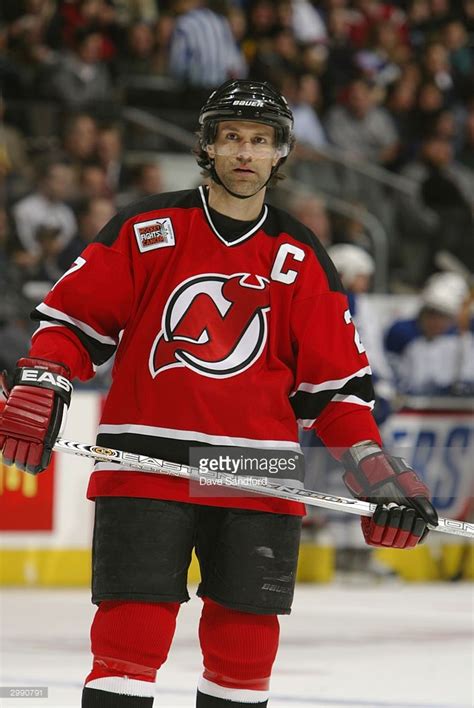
x,y
38,395
403,501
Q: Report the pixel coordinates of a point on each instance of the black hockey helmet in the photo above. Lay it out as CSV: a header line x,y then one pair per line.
x,y
256,101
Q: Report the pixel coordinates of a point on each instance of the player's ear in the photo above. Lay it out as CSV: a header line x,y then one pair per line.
x,y
211,151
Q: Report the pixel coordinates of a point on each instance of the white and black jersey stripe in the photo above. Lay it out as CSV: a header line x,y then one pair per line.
x,y
99,346
309,400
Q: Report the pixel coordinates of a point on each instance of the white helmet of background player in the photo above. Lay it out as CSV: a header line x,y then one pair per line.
x,y
351,262
445,293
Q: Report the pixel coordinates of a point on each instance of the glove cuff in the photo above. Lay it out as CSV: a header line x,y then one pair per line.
x,y
354,478
357,453
368,469
40,373
56,366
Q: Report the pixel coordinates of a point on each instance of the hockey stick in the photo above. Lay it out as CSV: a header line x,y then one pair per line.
x,y
450,264
270,488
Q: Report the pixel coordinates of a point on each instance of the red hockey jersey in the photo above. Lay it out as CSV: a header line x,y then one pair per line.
x,y
217,343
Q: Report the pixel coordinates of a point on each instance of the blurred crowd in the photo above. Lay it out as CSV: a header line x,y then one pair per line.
x,y
384,84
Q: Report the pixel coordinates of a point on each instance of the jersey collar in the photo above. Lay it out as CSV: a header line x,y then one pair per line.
x,y
244,236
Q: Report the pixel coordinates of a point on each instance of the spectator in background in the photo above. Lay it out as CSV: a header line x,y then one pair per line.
x,y
262,18
203,52
94,214
467,13
83,16
361,127
433,15
284,14
29,14
279,56
419,16
438,214
10,78
15,169
14,260
411,72
466,153
81,80
368,14
261,21
163,32
93,182
438,70
139,52
312,212
431,354
45,268
401,102
47,206
445,126
28,46
461,55
80,139
238,23
430,102
351,229
110,151
356,268
130,11
380,60
448,189
14,308
303,93
341,67
306,22
314,59
441,12
147,180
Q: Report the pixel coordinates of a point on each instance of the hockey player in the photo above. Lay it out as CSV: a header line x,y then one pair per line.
x,y
432,354
356,267
230,326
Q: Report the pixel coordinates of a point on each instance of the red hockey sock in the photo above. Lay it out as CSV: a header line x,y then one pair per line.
x,y
239,649
130,641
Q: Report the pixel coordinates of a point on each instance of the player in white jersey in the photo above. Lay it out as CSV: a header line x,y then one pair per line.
x,y
433,353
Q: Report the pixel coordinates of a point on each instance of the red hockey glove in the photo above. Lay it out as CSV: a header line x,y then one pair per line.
x,y
403,502
37,401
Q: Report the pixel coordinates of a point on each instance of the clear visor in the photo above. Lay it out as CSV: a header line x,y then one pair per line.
x,y
258,150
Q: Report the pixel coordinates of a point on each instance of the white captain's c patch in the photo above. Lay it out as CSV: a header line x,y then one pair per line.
x,y
157,233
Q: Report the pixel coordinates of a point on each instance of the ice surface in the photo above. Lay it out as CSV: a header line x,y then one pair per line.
x,y
368,646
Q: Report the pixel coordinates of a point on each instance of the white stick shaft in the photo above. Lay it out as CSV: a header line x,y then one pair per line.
x,y
271,487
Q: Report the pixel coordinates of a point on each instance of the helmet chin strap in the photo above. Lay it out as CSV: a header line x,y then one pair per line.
x,y
218,180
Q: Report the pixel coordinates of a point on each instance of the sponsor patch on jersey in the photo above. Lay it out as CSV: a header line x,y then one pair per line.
x,y
157,233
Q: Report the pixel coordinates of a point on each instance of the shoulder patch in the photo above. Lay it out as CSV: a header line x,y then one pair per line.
x,y
156,233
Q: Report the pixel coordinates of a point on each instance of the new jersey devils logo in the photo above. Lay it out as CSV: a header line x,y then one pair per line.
x,y
213,324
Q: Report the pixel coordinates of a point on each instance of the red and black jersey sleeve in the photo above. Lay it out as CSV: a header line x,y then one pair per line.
x,y
333,391
95,298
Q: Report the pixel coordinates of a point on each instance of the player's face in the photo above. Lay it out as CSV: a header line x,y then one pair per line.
x,y
244,154
434,324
